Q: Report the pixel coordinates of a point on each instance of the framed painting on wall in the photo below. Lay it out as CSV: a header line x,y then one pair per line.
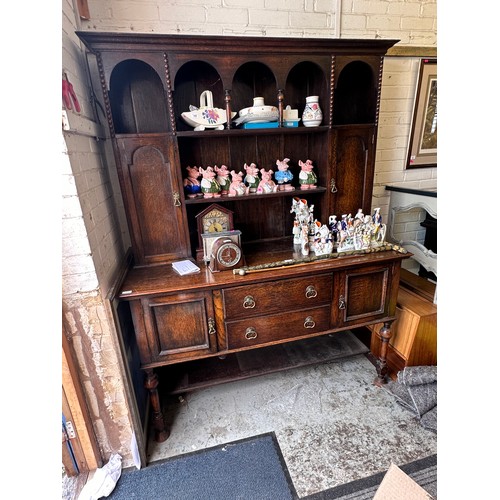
x,y
422,146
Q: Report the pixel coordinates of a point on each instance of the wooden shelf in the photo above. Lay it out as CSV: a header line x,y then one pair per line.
x,y
187,377
208,134
279,194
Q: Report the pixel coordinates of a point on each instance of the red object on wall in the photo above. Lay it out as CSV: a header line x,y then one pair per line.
x,y
69,97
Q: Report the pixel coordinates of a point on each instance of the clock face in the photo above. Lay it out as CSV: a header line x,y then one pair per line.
x,y
228,254
215,226
211,239
215,222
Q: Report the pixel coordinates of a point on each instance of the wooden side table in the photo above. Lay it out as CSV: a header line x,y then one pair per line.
x,y
414,333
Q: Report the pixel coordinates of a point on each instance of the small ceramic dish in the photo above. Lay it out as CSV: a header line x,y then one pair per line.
x,y
258,110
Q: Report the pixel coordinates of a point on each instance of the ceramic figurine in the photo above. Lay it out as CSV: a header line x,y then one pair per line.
x,y
332,223
209,185
283,176
266,185
237,186
304,240
192,185
323,243
223,179
376,217
307,178
296,231
252,177
379,231
360,216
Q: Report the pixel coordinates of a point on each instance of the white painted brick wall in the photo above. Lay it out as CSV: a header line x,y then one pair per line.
x,y
92,249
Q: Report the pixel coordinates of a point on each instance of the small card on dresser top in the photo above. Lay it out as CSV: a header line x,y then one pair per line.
x,y
184,267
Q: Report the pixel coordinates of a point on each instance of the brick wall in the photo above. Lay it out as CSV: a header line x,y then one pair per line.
x,y
92,245
95,233
412,22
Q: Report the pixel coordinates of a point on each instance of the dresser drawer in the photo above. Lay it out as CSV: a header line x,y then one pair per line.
x,y
275,327
278,296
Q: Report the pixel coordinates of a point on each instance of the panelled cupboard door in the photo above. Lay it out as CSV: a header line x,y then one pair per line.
x,y
354,169
152,195
179,326
362,295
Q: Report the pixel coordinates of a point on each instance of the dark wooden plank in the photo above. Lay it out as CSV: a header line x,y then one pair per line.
x,y
194,375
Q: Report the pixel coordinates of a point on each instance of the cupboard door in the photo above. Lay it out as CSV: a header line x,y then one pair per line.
x,y
362,295
152,197
354,169
178,327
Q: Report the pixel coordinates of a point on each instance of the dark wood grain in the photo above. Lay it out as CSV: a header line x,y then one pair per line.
x,y
148,81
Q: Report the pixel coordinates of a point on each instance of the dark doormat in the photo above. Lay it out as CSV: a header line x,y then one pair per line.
x,y
423,472
248,469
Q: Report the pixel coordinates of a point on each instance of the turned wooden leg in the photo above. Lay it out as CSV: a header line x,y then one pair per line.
x,y
151,384
385,335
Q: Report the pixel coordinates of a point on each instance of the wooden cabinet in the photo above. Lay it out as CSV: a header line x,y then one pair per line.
x,y
414,333
148,81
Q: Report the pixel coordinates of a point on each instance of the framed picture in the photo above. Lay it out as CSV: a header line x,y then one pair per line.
x,y
422,146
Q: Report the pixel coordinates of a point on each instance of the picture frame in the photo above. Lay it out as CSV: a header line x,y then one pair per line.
x,y
422,145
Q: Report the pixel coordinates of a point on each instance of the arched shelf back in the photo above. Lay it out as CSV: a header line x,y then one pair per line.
x,y
305,79
355,95
193,78
137,99
253,79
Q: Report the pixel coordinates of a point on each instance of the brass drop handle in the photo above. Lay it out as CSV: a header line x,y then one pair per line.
x,y
211,326
248,302
309,322
250,333
177,199
341,302
311,292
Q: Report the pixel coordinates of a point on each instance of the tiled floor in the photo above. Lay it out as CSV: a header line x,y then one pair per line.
x,y
332,424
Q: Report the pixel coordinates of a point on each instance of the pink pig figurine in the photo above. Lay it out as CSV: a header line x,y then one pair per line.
x,y
209,185
252,177
283,176
307,178
237,187
223,178
266,185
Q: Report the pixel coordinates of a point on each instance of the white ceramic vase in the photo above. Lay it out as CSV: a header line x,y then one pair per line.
x,y
312,115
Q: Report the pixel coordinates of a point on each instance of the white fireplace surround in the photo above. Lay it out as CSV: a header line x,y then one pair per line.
x,y
402,200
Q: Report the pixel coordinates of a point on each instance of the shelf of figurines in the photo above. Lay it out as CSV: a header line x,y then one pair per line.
x,y
349,233
220,183
313,241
